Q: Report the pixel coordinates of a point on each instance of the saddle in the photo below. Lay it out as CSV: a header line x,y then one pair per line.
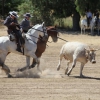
x,y
16,35
12,31
13,37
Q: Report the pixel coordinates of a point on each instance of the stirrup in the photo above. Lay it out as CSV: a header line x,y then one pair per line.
x,y
19,50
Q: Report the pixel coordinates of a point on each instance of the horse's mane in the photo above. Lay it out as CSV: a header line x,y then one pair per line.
x,y
36,25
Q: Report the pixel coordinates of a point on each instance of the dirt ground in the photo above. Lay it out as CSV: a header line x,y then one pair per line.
x,y
52,84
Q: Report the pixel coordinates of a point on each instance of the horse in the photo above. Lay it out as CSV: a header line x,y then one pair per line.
x,y
41,46
84,25
98,26
30,46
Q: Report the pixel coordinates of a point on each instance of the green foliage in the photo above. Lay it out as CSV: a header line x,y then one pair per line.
x,y
83,5
50,9
27,7
9,5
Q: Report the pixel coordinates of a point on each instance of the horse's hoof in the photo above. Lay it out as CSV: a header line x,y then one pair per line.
x,y
19,70
33,65
10,76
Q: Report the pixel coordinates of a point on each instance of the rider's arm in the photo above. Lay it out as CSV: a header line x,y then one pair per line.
x,y
25,25
7,21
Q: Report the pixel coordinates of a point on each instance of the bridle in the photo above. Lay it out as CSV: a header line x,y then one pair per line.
x,y
44,30
44,38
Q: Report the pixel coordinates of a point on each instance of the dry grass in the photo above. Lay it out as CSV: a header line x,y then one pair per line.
x,y
52,84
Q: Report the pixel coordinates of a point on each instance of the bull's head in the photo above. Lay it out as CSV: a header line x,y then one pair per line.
x,y
90,54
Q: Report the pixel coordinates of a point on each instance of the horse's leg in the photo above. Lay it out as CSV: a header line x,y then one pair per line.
x,y
84,29
36,59
98,29
33,63
38,65
4,67
81,29
27,64
6,70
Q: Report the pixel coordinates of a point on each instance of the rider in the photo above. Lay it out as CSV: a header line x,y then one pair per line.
x,y
25,24
89,17
10,20
97,16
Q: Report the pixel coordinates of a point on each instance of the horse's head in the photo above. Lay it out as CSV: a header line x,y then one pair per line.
x,y
94,19
45,37
52,31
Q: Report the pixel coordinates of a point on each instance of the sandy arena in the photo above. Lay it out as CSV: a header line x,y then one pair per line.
x,y
52,84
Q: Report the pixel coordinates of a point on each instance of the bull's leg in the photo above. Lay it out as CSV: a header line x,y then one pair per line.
x,y
81,69
59,64
73,65
66,70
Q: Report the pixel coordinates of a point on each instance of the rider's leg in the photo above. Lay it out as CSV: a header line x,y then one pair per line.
x,y
18,41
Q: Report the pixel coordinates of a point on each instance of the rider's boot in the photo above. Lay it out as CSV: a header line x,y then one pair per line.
x,y
19,48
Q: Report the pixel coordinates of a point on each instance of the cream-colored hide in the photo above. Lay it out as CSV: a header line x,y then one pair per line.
x,y
76,51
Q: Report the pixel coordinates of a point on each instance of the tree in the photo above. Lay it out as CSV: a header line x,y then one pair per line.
x,y
27,7
8,5
83,5
58,9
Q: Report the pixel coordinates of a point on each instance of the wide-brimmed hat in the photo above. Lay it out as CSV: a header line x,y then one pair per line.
x,y
14,13
27,15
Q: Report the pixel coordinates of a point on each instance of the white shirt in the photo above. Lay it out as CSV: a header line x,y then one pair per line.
x,y
89,14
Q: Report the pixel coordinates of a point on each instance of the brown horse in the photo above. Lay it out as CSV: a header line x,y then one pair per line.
x,y
41,46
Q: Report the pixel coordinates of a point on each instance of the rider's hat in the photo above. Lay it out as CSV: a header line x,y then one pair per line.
x,y
14,13
27,15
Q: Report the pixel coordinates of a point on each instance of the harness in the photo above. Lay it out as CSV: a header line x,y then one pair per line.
x,y
12,36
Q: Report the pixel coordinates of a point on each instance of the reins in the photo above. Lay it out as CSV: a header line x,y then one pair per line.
x,y
37,29
35,37
62,39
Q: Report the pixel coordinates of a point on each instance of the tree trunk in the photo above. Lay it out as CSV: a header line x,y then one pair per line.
x,y
3,9
76,20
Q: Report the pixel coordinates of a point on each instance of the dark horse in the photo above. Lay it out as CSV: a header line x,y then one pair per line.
x,y
41,46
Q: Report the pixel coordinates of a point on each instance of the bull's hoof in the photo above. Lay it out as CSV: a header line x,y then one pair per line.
x,y
58,69
82,76
68,74
66,71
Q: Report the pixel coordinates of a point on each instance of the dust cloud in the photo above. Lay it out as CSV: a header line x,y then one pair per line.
x,y
47,73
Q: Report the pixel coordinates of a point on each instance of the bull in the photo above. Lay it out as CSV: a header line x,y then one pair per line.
x,y
76,51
